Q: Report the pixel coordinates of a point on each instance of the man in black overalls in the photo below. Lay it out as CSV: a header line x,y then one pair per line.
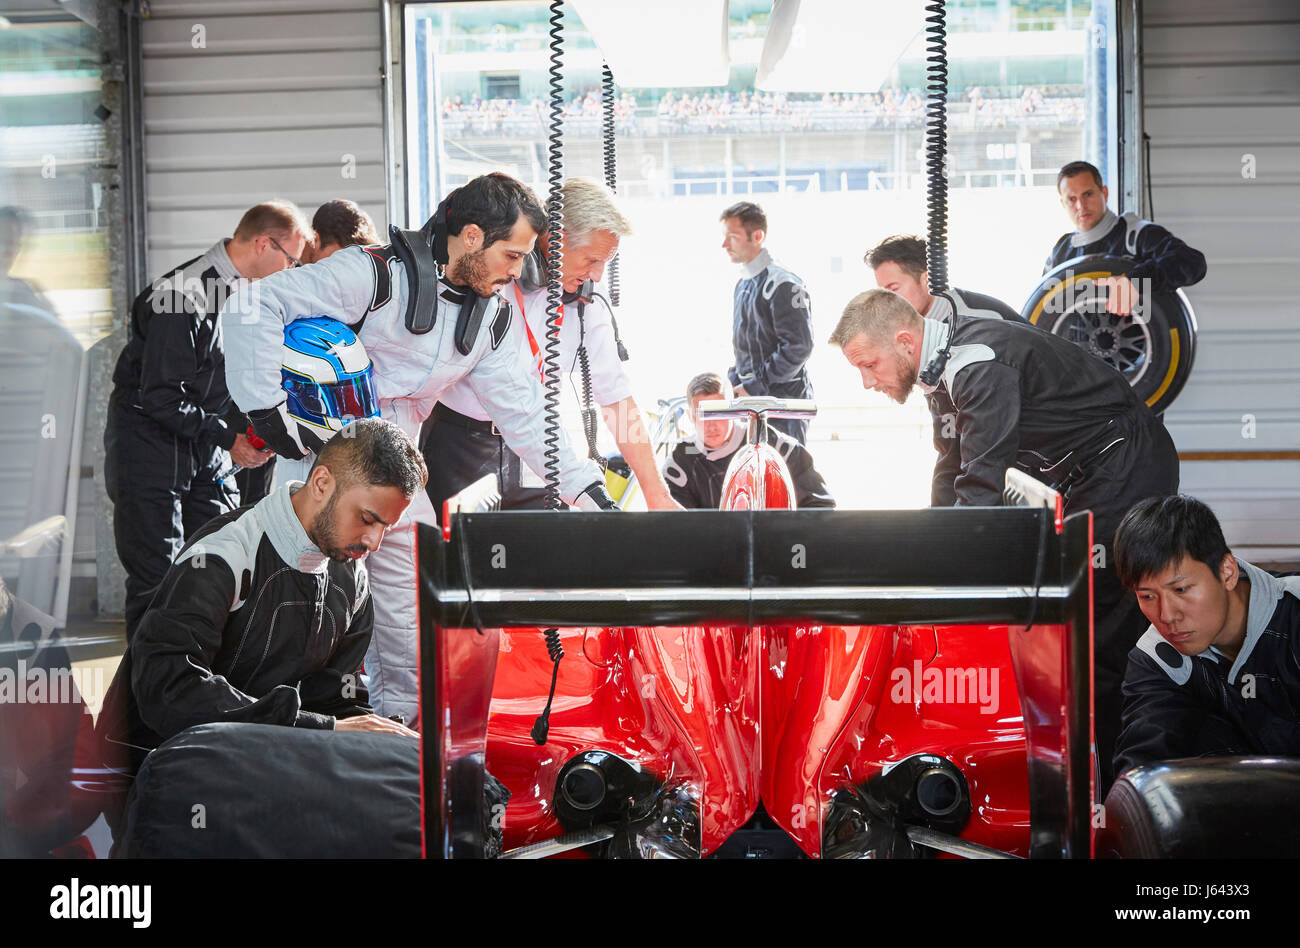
x,y
1023,398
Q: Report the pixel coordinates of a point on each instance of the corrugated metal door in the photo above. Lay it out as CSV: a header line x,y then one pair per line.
x,y
245,101
1222,108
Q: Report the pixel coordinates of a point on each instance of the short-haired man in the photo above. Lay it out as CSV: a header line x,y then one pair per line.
x,y
173,432
340,223
427,312
696,469
461,443
1024,399
266,614
900,264
336,224
1218,671
771,330
1161,258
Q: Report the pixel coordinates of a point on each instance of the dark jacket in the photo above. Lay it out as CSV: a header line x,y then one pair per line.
x,y
252,624
1177,705
1026,398
942,411
695,474
172,369
1161,257
771,331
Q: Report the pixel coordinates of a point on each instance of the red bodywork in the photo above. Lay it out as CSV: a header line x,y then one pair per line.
x,y
782,716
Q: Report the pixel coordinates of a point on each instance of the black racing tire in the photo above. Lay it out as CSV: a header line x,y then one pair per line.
x,y
1153,349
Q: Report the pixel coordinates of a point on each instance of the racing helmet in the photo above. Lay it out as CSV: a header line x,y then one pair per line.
x,y
326,374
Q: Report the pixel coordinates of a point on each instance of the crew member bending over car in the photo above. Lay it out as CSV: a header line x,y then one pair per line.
x,y
266,613
461,444
696,469
1218,671
900,264
1024,399
426,310
1162,258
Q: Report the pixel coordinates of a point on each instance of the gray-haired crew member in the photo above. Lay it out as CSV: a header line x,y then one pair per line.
x,y
771,329
1162,258
697,469
173,430
455,327
900,265
1024,399
266,614
461,443
1218,672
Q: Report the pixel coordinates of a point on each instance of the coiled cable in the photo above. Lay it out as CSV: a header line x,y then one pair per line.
x,y
611,166
554,284
936,146
542,726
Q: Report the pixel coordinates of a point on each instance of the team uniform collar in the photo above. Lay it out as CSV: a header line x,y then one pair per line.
x,y
219,258
932,340
757,265
286,532
1098,231
1265,591
727,448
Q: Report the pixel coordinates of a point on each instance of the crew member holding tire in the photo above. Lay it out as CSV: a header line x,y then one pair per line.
x,y
900,265
1113,287
1159,256
428,314
461,444
1024,398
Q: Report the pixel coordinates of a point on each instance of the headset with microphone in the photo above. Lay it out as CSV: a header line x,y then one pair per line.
x,y
933,371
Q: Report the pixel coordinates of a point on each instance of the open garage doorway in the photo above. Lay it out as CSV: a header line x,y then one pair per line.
x,y
836,170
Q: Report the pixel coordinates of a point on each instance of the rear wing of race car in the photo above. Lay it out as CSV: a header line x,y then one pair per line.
x,y
1022,565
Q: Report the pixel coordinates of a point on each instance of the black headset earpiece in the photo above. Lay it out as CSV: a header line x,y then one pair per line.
x,y
933,372
530,279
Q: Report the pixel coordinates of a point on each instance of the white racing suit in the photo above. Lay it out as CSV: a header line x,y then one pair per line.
x,y
410,373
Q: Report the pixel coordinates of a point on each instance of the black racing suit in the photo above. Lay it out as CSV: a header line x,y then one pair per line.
x,y
1029,399
694,474
771,335
1160,256
942,412
1208,705
171,423
251,624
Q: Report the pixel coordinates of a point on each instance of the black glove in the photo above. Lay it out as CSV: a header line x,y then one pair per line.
x,y
595,497
283,433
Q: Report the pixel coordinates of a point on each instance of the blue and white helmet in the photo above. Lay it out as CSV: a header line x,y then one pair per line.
x,y
327,374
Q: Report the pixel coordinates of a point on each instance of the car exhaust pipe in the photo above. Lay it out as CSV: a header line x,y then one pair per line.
x,y
877,819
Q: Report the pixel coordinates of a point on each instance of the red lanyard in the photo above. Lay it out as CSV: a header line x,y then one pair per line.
x,y
532,342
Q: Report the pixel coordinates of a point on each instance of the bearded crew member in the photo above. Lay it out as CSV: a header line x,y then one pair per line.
x,y
1024,399
1163,262
266,614
900,264
461,442
425,327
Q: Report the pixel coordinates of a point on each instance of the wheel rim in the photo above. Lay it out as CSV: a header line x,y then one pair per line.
x,y
1122,341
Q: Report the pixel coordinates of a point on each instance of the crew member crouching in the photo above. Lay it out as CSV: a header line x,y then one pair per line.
x,y
265,615
697,468
1218,671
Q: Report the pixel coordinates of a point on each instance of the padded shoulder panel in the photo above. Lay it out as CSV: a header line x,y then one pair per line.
x,y
1171,661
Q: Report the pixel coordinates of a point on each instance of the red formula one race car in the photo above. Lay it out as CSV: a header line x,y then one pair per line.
x,y
738,729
